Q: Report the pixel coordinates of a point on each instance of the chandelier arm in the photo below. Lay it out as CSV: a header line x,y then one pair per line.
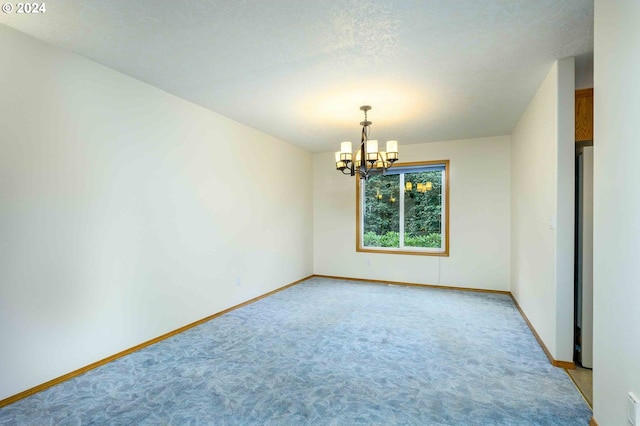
x,y
367,170
363,153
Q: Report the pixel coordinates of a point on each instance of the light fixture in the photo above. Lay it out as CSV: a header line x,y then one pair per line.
x,y
420,187
375,162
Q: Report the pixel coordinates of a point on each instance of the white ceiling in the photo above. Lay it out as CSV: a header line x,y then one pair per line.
x,y
300,69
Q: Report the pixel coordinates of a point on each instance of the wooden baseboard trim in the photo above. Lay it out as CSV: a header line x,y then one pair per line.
x,y
477,290
108,359
567,365
593,422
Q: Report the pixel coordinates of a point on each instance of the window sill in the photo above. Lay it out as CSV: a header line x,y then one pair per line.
x,y
404,250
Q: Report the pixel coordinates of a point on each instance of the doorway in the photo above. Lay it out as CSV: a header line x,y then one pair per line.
x,y
583,273
583,285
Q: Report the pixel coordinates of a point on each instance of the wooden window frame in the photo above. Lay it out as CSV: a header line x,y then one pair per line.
x,y
388,250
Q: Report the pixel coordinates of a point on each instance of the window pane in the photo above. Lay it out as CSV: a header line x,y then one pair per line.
x,y
423,209
381,211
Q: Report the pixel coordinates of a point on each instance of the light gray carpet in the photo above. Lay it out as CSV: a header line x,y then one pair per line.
x,y
329,352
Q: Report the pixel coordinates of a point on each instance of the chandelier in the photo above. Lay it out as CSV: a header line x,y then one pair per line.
x,y
375,162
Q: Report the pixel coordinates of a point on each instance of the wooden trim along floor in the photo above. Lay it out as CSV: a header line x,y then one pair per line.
x,y
478,290
593,422
562,364
106,360
568,365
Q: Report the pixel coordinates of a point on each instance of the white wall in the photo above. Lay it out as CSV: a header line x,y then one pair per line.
x,y
565,210
479,219
542,163
126,212
616,296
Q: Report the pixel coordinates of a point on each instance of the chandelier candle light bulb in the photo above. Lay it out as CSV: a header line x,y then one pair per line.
x,y
346,151
392,150
372,150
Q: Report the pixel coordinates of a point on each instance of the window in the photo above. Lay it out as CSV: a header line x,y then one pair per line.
x,y
406,210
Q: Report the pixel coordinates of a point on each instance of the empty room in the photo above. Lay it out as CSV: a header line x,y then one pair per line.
x,y
307,213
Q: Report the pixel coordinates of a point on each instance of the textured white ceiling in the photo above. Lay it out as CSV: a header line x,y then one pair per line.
x,y
299,69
